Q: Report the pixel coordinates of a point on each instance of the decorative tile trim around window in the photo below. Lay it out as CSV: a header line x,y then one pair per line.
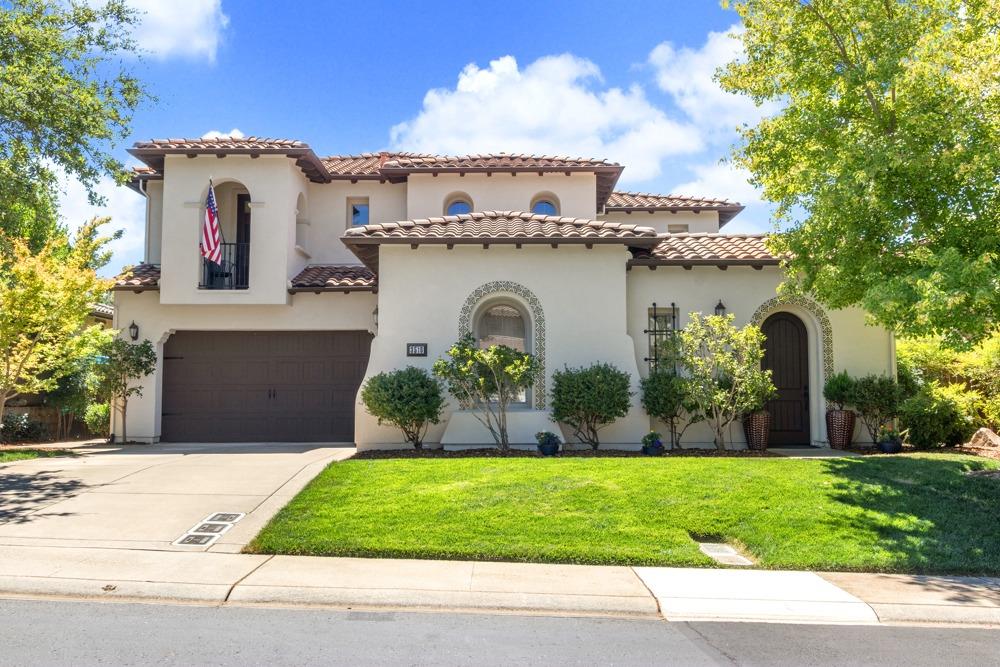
x,y
500,287
826,331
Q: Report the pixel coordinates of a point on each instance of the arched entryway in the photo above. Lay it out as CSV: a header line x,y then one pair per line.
x,y
786,354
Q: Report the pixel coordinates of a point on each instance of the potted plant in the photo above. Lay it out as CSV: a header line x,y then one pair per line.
x,y
839,391
652,444
890,441
756,419
548,443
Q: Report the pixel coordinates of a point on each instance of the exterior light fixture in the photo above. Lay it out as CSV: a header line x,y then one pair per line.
x,y
720,308
375,315
133,331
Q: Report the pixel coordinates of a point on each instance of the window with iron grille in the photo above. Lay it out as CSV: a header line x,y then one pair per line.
x,y
661,332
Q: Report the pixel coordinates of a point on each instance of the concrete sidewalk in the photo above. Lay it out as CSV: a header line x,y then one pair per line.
x,y
676,594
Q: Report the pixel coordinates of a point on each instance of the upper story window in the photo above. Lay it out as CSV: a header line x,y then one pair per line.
x,y
458,206
545,204
357,211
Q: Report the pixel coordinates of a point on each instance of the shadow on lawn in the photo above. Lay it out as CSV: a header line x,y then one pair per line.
x,y
22,494
926,513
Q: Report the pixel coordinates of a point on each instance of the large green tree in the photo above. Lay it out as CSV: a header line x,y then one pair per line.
x,y
884,161
66,97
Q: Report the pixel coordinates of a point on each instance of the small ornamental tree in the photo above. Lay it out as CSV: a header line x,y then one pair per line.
x,y
409,399
877,400
665,397
486,381
123,364
722,366
45,298
839,390
588,399
71,398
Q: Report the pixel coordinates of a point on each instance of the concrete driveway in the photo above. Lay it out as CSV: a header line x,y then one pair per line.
x,y
149,496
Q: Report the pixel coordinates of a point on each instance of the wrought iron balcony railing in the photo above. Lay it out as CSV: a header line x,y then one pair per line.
x,y
232,271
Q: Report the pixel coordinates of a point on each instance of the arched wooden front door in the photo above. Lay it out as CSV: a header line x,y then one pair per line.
x,y
786,353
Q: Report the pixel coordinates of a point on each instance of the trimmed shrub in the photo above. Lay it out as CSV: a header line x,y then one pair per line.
x,y
587,399
665,397
839,390
877,400
98,419
939,416
409,399
19,428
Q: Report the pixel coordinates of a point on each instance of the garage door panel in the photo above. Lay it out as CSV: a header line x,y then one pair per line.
x,y
262,386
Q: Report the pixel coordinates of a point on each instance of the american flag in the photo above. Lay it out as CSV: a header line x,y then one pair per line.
x,y
211,234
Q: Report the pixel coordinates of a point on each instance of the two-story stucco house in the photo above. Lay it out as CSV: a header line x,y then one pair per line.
x,y
337,268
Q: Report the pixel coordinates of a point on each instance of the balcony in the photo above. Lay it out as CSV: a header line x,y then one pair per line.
x,y
231,273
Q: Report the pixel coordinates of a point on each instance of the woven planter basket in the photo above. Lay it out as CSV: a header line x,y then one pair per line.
x,y
840,428
757,428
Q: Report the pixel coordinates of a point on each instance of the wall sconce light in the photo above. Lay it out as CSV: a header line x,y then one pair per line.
x,y
720,308
375,315
133,331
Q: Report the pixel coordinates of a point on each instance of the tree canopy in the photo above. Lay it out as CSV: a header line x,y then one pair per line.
x,y
66,96
45,298
884,161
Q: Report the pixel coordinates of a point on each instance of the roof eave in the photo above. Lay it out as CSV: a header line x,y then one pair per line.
x,y
329,288
646,261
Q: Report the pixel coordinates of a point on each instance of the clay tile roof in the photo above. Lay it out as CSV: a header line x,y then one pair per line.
x,y
221,143
365,164
499,161
104,311
710,249
139,278
331,278
494,227
645,201
152,152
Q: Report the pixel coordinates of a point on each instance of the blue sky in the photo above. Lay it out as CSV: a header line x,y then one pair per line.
x,y
630,82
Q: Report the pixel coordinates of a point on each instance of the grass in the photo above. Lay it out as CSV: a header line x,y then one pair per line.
x,y
909,513
9,455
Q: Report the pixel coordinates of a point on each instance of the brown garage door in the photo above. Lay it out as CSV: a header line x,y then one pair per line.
x,y
256,386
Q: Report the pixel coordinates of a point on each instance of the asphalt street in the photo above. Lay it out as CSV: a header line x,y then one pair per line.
x,y
34,632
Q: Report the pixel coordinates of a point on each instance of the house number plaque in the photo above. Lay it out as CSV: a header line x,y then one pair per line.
x,y
416,349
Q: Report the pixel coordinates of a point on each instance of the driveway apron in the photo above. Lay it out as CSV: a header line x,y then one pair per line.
x,y
151,496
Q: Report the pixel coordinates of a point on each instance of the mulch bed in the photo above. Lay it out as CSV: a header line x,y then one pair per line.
x,y
491,452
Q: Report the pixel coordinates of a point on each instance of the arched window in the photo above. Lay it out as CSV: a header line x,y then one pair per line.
x,y
503,323
457,205
544,207
545,203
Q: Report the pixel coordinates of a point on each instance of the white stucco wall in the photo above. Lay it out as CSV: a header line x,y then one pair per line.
x,y
273,183
427,194
581,293
154,221
706,221
857,347
327,215
304,312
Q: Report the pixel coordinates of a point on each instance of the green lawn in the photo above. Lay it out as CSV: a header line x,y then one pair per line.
x,y
8,455
911,513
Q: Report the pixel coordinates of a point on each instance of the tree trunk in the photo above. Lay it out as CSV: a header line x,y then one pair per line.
x,y
124,413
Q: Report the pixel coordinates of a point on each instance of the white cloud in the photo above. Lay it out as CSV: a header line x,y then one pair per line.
x,y
554,105
185,28
722,179
234,133
126,208
687,75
